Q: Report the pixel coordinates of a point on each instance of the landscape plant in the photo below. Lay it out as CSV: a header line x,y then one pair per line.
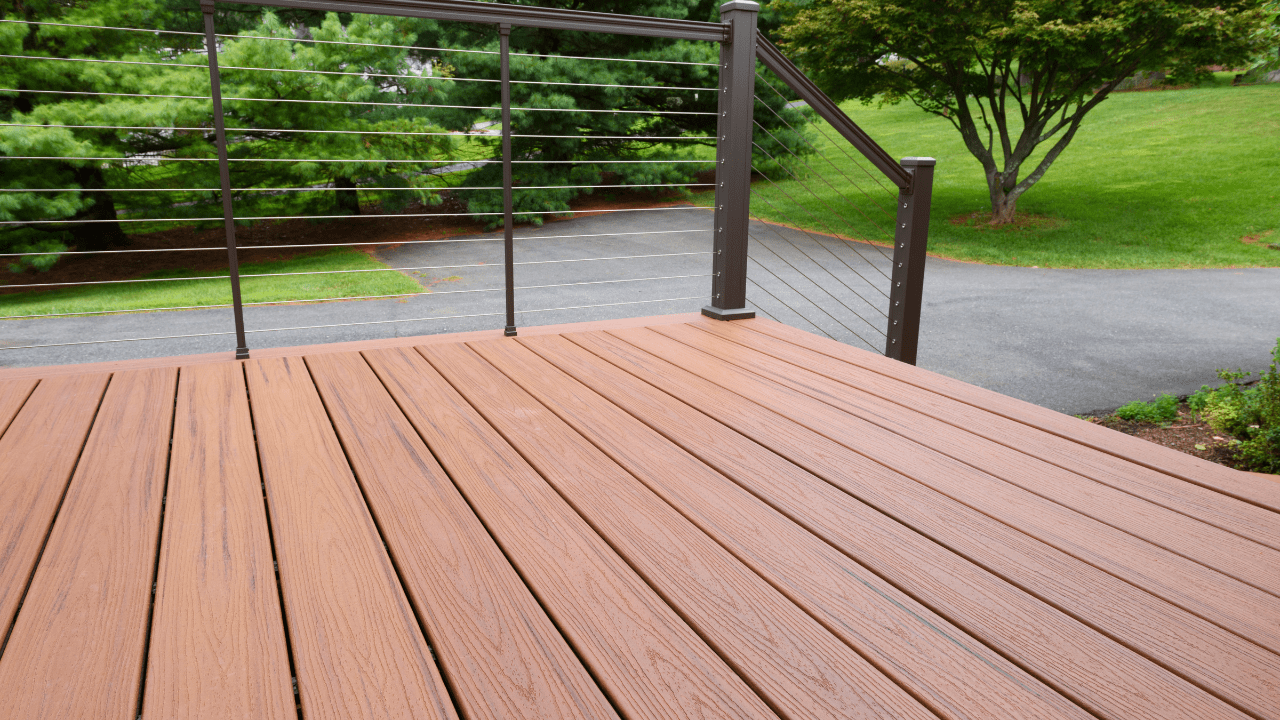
x,y
1011,75
1251,413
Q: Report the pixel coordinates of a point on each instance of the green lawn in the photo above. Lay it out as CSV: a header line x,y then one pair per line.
x,y
1169,179
132,296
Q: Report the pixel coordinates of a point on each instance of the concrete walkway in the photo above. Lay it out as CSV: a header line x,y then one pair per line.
x,y
1071,340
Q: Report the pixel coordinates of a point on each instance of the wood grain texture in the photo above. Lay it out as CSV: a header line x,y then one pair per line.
x,y
13,393
1206,592
952,673
357,647
40,450
1247,561
645,658
1222,511
501,653
794,663
1187,467
77,646
979,569
217,634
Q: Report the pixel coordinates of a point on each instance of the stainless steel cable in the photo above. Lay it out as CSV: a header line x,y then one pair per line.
x,y
348,244
351,102
146,158
859,165
358,44
341,217
308,300
848,243
794,289
823,178
103,27
818,285
350,74
647,232
361,132
804,296
782,303
759,309
830,162
630,302
333,272
828,228
107,62
327,188
614,282
824,268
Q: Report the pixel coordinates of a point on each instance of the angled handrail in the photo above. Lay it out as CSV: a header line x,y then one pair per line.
x,y
827,109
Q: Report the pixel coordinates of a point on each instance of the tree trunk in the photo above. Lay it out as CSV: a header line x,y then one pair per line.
x,y
97,235
1002,213
1003,207
346,196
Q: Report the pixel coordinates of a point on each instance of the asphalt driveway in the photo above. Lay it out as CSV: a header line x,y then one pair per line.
x,y
1071,340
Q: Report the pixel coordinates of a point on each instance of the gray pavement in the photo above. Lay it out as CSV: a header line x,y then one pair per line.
x,y
1071,340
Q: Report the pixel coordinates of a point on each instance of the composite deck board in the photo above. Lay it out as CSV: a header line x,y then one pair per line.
x,y
796,665
77,646
665,517
500,652
13,394
357,647
1200,589
1222,511
1256,490
643,655
40,449
217,635
902,638
1245,560
959,587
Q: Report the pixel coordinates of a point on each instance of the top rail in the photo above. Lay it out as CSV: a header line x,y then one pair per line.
x,y
524,16
827,109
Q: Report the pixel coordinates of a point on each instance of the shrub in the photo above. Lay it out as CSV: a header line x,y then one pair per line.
x,y
1163,409
1250,413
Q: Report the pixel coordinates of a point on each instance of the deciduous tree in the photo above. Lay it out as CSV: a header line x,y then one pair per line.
x,y
1011,75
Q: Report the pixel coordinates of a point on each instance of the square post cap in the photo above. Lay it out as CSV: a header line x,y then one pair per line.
x,y
918,162
746,5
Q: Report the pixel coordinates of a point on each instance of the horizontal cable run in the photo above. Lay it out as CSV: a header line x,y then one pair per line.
x,y
314,272
647,232
350,74
341,217
327,188
234,130
315,300
103,27
631,302
349,244
146,158
106,62
352,102
359,44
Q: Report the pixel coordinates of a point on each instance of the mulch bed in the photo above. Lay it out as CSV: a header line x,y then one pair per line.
x,y
384,232
1186,434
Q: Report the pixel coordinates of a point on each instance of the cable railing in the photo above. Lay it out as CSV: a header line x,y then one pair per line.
x,y
818,255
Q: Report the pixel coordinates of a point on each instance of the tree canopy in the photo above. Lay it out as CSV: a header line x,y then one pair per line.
x,y
1011,75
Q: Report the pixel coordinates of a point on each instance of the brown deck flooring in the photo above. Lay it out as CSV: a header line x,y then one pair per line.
x,y
675,518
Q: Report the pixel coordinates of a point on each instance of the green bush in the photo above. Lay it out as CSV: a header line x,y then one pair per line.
x,y
1252,414
1163,409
